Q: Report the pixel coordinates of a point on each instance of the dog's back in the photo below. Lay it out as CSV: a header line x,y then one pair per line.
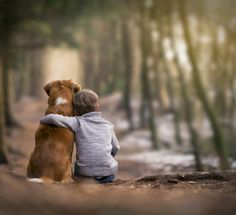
x,y
51,158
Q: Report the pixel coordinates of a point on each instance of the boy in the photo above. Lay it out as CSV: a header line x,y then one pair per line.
x,y
96,143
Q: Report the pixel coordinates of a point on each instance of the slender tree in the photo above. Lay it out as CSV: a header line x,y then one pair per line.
x,y
116,55
147,99
232,84
7,23
3,158
219,74
170,84
127,72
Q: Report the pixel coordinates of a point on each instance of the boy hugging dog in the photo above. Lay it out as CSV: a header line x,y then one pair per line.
x,y
96,142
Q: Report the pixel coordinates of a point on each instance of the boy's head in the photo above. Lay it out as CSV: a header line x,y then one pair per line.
x,y
85,101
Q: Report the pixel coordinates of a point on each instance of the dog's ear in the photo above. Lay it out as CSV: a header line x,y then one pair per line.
x,y
76,88
47,88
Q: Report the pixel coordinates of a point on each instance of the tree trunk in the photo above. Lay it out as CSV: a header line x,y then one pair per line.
x,y
189,116
217,132
232,86
145,82
3,158
219,75
157,80
127,73
6,29
6,56
115,57
174,109
170,88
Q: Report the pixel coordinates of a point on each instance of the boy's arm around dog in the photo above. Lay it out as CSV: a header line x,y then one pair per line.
x,y
61,121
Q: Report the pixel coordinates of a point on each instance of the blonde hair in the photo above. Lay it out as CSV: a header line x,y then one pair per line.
x,y
85,101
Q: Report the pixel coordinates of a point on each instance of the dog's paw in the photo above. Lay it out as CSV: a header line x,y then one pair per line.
x,y
67,181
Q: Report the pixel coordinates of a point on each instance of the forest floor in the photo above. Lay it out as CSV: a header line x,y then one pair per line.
x,y
139,189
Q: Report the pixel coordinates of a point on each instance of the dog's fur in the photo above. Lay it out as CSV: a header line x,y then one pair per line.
x,y
51,158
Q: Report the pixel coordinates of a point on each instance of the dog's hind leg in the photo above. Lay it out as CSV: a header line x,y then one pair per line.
x,y
67,178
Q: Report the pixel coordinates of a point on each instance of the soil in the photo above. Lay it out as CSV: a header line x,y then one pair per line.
x,y
133,192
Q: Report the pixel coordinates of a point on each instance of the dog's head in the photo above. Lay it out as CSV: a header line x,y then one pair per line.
x,y
61,91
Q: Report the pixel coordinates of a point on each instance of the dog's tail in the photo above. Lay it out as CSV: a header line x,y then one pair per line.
x,y
43,180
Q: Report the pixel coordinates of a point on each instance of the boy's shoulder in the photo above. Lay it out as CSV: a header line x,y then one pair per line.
x,y
97,119
107,122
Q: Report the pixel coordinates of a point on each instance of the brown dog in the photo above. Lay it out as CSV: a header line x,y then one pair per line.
x,y
51,158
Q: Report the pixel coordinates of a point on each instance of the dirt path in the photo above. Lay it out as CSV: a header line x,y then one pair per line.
x,y
192,193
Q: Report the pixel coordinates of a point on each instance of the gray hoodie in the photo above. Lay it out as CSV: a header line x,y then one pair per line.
x,y
96,143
